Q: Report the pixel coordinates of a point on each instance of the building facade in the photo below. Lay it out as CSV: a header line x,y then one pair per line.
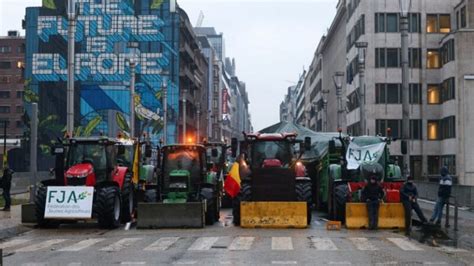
x,y
288,106
440,60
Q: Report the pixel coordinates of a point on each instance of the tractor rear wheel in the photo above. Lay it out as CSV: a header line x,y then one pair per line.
x,y
128,200
341,193
211,204
304,193
244,195
40,205
108,207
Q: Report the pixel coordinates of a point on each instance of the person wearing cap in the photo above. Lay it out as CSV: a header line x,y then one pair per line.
x,y
372,194
444,192
409,196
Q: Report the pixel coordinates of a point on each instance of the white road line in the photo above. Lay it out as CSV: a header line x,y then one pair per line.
x,y
14,242
42,245
35,264
162,244
241,243
83,244
203,243
133,263
186,262
282,243
339,263
362,243
323,243
451,249
404,244
279,262
434,263
386,263
75,264
121,244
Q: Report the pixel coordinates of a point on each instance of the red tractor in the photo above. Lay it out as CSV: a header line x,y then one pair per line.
x,y
91,162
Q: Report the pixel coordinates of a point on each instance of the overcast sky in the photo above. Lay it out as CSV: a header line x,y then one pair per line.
x,y
271,40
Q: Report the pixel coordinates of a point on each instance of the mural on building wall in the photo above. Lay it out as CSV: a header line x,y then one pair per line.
x,y
102,70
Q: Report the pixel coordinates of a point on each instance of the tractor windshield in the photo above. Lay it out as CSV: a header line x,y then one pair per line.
x,y
87,153
126,159
183,159
217,159
263,150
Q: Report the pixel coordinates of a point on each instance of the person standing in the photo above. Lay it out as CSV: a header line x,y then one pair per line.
x,y
6,186
372,194
409,196
444,192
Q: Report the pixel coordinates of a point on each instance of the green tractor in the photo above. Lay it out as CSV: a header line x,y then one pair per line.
x,y
349,163
217,158
188,193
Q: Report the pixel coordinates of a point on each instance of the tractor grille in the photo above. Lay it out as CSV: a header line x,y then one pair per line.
x,y
74,181
273,184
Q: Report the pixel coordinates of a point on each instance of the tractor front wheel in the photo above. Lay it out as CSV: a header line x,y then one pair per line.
x,y
40,205
244,195
108,207
128,200
211,205
304,193
341,193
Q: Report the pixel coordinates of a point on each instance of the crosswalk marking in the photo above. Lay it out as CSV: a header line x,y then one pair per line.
x,y
83,244
241,243
362,243
121,244
133,263
203,243
323,243
14,242
280,262
282,243
44,244
404,244
75,264
162,244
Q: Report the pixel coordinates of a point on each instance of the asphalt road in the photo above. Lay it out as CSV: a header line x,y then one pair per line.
x,y
224,244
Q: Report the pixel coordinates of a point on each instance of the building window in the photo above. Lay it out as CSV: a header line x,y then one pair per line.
x,y
5,49
416,166
393,57
447,52
4,79
19,124
414,55
395,125
448,127
433,94
438,23
4,109
354,129
433,130
21,49
416,129
415,94
450,162
355,33
463,17
433,165
448,90
433,59
2,123
353,101
4,94
389,22
5,65
379,57
19,94
19,109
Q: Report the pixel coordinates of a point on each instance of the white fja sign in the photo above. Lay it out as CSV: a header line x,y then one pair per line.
x,y
69,202
356,155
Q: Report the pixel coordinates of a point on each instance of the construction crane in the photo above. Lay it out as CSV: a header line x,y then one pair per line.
x,y
200,19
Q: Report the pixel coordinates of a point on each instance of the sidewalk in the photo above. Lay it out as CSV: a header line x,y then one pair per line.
x,y
465,234
10,223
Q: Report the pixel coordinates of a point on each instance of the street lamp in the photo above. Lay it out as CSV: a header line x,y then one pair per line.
x,y
338,77
361,50
165,106
325,94
71,14
185,92
133,47
404,8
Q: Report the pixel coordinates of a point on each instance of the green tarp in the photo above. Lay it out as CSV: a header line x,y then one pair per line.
x,y
319,140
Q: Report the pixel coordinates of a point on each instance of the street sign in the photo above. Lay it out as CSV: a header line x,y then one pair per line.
x,y
69,202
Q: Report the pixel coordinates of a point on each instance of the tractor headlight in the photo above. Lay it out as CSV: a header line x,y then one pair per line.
x,y
72,176
178,185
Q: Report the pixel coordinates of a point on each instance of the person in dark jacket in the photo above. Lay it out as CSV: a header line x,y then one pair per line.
x,y
6,186
372,194
444,192
409,196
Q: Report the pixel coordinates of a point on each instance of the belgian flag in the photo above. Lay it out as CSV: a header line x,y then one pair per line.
x,y
232,182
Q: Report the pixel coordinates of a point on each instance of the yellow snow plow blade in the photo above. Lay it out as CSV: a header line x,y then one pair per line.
x,y
391,215
262,214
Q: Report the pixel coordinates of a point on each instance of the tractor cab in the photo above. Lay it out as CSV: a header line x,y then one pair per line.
x,y
90,161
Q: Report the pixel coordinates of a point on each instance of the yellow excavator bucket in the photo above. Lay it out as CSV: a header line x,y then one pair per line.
x,y
391,215
262,214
